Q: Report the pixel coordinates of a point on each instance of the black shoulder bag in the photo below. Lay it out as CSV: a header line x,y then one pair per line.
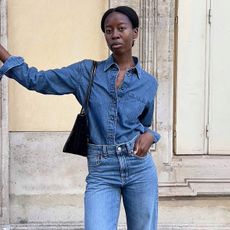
x,y
78,138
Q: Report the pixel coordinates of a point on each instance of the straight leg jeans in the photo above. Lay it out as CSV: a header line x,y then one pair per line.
x,y
115,172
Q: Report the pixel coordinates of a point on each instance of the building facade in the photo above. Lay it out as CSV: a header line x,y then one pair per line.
x,y
184,43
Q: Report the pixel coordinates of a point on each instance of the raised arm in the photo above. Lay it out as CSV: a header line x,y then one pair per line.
x,y
61,81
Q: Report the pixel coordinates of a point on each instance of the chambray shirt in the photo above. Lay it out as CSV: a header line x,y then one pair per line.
x,y
115,115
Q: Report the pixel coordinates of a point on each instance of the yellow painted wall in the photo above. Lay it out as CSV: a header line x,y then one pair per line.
x,y
51,34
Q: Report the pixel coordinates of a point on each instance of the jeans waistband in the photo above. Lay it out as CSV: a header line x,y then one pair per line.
x,y
126,146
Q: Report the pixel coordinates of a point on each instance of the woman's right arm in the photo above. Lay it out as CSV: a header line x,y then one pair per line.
x,y
56,81
4,54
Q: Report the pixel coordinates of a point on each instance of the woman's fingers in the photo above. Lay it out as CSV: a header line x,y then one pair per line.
x,y
143,143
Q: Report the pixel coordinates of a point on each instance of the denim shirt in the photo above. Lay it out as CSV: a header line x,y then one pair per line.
x,y
115,115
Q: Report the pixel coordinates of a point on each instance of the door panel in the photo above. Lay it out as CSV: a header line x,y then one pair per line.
x,y
219,120
191,82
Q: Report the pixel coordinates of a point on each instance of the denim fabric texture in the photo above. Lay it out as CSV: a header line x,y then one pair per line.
x,y
115,172
115,115
116,118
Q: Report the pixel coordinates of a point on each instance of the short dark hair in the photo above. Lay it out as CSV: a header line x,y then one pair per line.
x,y
128,11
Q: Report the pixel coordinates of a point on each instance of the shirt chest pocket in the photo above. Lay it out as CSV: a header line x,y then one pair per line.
x,y
131,107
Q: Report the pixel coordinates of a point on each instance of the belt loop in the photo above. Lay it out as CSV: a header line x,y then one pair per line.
x,y
127,147
104,150
130,146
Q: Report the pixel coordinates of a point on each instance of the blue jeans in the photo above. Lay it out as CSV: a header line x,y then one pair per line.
x,y
115,172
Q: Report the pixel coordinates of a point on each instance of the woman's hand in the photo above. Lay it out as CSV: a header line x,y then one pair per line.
x,y
4,54
143,143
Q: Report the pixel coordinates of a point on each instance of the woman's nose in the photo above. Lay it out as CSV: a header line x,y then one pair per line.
x,y
115,34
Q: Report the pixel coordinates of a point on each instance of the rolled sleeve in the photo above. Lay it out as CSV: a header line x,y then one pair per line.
x,y
10,63
147,119
156,135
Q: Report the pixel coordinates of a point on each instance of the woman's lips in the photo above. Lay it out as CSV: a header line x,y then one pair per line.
x,y
116,45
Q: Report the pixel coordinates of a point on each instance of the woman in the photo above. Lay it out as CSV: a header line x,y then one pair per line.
x,y
120,112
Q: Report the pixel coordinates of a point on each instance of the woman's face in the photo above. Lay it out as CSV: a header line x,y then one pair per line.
x,y
119,33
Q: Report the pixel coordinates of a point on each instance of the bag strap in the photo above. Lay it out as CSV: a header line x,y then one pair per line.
x,y
89,89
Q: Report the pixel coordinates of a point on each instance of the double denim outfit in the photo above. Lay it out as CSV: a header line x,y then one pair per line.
x,y
116,117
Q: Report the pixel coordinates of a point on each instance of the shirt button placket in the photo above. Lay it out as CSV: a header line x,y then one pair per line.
x,y
112,112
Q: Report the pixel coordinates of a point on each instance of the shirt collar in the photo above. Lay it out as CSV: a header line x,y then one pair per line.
x,y
110,62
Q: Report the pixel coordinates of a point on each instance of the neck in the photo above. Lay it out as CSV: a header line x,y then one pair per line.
x,y
124,62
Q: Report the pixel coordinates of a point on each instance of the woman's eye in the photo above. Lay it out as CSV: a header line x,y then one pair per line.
x,y
108,31
121,29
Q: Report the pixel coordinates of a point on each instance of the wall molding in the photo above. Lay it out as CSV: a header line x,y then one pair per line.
x,y
196,187
195,176
74,226
4,167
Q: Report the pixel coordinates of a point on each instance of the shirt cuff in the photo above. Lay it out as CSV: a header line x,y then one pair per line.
x,y
10,63
156,135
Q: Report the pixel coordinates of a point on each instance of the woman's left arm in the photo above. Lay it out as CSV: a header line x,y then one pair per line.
x,y
145,140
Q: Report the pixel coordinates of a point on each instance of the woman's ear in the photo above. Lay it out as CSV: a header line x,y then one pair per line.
x,y
135,33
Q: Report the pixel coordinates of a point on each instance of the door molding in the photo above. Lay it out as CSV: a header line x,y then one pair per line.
x,y
4,165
